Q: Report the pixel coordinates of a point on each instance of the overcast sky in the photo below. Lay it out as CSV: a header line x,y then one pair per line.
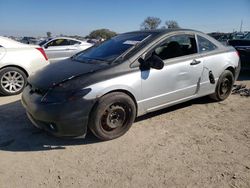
x,y
70,17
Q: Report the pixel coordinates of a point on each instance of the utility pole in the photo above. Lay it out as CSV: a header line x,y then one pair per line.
x,y
241,25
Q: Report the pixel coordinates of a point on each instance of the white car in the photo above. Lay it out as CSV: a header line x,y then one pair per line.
x,y
17,62
60,48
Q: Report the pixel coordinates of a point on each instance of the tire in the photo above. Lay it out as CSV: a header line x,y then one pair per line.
x,y
12,81
112,116
224,86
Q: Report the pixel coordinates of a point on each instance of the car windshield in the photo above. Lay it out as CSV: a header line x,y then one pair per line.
x,y
44,41
112,48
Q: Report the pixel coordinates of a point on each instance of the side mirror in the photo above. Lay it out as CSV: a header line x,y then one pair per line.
x,y
155,62
45,46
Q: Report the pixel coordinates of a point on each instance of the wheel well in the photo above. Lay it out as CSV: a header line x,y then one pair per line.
x,y
22,69
127,93
118,90
232,70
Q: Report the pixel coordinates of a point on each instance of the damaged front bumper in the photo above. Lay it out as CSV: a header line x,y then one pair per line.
x,y
69,118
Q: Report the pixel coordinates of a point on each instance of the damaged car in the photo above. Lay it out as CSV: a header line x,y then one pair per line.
x,y
104,88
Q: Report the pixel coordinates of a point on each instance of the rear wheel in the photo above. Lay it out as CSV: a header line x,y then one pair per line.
x,y
224,86
112,116
12,81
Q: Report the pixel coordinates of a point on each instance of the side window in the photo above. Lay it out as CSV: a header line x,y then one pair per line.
x,y
176,46
73,42
205,45
58,42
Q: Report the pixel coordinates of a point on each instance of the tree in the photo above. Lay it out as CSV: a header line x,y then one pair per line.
x,y
102,34
150,23
48,34
171,24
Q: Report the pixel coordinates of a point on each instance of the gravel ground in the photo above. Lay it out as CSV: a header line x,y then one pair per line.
x,y
196,144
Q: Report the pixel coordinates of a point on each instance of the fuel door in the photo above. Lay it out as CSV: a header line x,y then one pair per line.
x,y
2,52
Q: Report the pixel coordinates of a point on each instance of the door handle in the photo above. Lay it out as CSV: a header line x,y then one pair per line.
x,y
195,62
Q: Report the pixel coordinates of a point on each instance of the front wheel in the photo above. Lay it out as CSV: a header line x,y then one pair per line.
x,y
224,86
112,116
12,81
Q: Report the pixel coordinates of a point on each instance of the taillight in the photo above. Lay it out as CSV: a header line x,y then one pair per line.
x,y
238,54
43,53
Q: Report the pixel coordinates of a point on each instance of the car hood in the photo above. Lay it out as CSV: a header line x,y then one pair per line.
x,y
62,71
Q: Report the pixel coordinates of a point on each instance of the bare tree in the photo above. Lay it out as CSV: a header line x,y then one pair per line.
x,y
150,23
171,24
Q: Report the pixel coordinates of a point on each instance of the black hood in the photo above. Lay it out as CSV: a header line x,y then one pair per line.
x,y
61,71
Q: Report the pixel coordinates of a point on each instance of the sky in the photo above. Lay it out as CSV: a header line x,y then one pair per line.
x,y
79,17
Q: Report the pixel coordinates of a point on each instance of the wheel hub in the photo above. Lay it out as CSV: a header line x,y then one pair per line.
x,y
12,81
114,117
225,87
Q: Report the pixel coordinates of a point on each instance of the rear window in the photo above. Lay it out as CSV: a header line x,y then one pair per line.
x,y
247,37
73,42
205,45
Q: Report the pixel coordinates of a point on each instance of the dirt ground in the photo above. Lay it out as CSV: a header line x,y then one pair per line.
x,y
196,144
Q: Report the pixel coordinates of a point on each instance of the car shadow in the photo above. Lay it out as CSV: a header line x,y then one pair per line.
x,y
202,100
17,134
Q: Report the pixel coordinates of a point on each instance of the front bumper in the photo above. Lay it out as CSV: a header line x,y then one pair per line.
x,y
61,119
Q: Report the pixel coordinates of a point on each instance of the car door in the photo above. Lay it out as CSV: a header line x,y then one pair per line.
x,y
179,79
58,49
74,47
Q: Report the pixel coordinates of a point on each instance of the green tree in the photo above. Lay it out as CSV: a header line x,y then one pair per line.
x,y
172,24
102,34
150,23
48,34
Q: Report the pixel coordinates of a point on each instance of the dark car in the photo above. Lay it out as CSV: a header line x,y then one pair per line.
x,y
243,47
29,40
104,88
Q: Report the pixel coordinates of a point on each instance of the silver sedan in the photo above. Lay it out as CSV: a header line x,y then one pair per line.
x,y
60,48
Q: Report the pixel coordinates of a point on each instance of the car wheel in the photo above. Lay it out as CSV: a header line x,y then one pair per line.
x,y
224,86
112,116
12,81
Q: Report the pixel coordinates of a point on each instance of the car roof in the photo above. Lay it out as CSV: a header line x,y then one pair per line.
x,y
69,38
162,31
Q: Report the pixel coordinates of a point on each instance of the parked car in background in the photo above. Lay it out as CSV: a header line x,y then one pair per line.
x,y
105,87
63,47
28,40
17,62
243,47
